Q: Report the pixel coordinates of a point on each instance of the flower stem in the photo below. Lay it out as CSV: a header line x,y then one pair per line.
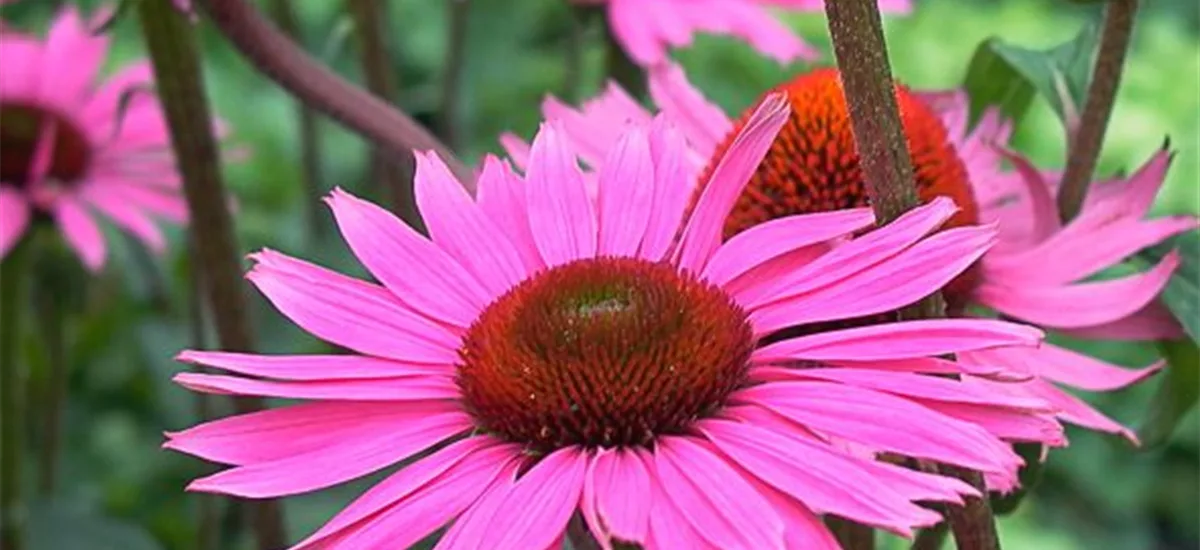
x,y
310,141
573,55
851,535
390,170
858,44
277,57
1086,140
931,538
458,12
620,67
208,525
12,427
52,298
178,78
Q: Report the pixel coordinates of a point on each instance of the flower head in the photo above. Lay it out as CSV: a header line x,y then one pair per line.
x,y
646,29
1037,271
74,146
555,349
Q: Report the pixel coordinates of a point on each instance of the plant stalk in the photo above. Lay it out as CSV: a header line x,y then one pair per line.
x,y
931,538
391,171
51,295
311,155
289,66
620,67
459,14
1085,142
861,52
176,63
12,374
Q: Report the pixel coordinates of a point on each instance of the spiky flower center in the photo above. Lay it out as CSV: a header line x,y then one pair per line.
x,y
601,353
812,166
21,128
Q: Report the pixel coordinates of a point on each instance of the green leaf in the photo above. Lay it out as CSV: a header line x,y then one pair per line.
x,y
1177,394
1006,76
1182,295
1029,474
58,525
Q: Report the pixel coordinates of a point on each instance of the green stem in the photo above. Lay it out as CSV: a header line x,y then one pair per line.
x,y
207,518
851,535
620,67
1086,141
176,61
12,427
310,140
573,56
858,44
391,171
51,296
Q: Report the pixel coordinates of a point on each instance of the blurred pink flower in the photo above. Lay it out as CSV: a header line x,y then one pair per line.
x,y
554,348
76,146
1036,273
646,29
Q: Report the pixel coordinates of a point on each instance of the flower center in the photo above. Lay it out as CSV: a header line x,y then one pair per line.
x,y
813,164
21,128
603,352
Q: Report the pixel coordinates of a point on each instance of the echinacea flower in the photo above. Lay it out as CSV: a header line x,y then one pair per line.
x,y
74,146
647,29
550,352
1037,273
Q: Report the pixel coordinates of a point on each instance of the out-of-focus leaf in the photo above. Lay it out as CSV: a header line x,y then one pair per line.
x,y
1176,396
61,525
1006,76
1030,474
1182,295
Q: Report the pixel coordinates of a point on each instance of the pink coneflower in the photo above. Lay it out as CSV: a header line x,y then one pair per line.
x,y
1036,273
647,29
74,147
551,352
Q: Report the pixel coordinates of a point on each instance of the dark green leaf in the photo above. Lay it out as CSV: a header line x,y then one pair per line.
x,y
1030,474
1182,295
1176,396
62,525
1007,76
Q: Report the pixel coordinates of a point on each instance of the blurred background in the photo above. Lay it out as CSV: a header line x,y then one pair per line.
x,y
118,490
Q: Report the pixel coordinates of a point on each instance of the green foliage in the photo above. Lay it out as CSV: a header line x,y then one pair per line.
x,y
1007,76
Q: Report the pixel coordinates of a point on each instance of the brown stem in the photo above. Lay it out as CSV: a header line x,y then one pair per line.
x,y
458,13
310,141
277,57
858,44
931,538
208,524
1086,140
392,172
179,81
851,535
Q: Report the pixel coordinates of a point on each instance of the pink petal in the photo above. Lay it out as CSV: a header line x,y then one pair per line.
x,y
883,422
128,216
901,340
615,491
336,463
73,57
501,196
23,65
463,230
80,231
673,182
803,528
475,525
535,512
1042,208
416,500
899,281
14,218
1007,424
1082,304
822,479
561,215
626,190
748,250
1076,411
1075,369
1153,322
352,313
919,386
860,253
634,32
714,498
166,205
669,528
312,367
420,273
704,123
408,388
702,234
276,434
516,148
